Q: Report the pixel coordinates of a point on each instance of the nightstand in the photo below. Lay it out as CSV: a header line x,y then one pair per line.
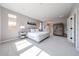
x,y
22,34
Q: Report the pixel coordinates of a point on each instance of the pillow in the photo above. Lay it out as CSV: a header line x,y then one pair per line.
x,y
36,30
32,30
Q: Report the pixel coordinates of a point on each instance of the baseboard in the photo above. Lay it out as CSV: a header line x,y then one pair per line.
x,y
7,40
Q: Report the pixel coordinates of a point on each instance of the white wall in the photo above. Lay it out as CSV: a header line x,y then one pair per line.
x,y
77,37
76,8
21,21
4,24
0,24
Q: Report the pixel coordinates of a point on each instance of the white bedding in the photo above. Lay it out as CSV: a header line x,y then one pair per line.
x,y
37,36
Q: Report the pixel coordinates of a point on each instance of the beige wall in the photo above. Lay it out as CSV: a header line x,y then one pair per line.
x,y
49,26
38,24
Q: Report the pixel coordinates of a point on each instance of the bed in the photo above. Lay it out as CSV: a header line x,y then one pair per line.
x,y
38,36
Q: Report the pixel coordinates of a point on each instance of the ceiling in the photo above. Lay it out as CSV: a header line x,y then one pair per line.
x,y
40,10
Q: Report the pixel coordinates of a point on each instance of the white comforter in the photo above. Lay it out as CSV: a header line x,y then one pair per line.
x,y
37,36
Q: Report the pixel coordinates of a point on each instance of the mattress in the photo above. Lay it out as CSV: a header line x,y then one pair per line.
x,y
37,36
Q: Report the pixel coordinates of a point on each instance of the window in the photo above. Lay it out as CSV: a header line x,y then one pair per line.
x,y
12,22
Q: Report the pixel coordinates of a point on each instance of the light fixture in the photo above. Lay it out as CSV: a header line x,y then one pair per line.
x,y
61,16
22,27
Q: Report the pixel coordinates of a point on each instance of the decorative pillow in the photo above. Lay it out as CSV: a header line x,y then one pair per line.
x,y
36,30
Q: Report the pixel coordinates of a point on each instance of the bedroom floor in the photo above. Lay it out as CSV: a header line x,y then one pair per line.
x,y
52,46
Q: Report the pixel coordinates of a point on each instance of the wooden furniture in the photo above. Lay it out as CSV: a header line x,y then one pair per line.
x,y
58,29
